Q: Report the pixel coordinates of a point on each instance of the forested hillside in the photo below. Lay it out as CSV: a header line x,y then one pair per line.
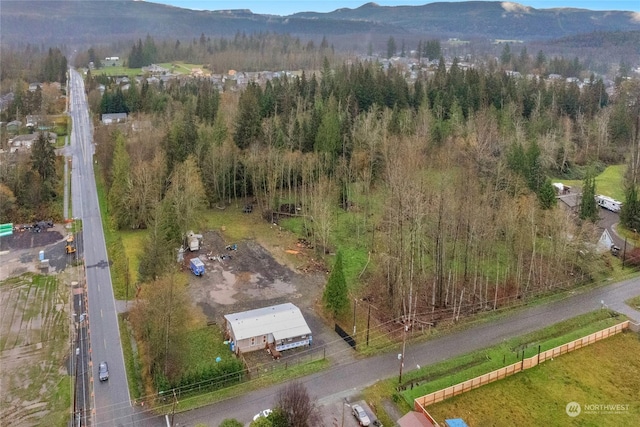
x,y
92,22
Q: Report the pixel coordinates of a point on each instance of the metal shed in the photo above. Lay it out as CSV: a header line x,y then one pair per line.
x,y
280,326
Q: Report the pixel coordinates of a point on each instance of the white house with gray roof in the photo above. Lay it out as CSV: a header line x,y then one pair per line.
x,y
281,326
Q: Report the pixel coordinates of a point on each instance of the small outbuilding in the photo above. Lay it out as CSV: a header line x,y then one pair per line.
x,y
279,327
111,118
414,419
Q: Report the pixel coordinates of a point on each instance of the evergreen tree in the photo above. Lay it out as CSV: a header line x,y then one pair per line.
x,y
135,56
534,173
541,60
248,127
547,196
588,206
432,49
328,139
149,52
121,185
505,57
335,296
43,158
391,47
630,211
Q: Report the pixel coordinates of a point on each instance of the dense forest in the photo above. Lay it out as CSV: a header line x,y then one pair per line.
x,y
444,181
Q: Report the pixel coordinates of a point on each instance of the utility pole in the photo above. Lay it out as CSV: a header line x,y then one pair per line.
x,y
343,405
173,408
401,355
354,317
368,323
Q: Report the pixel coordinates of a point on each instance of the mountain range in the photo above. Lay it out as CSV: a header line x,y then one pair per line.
x,y
73,23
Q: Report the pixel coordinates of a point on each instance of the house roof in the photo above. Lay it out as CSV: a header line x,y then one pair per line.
x,y
113,117
414,419
283,321
31,137
572,199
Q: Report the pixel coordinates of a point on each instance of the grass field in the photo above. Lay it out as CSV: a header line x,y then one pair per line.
x,y
118,71
605,373
634,302
177,67
34,345
608,183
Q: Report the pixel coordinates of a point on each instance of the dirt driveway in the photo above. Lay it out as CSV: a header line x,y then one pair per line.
x,y
246,278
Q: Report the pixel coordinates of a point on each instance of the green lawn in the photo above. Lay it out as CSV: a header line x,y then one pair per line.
x,y
118,71
634,302
133,242
608,183
205,345
131,360
604,373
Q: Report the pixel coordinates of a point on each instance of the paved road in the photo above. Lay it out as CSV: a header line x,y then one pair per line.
x,y
346,380
112,405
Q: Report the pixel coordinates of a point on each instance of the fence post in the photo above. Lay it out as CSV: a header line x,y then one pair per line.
x,y
522,362
538,354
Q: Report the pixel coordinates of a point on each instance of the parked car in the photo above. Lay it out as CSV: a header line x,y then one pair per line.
x,y
41,226
361,415
103,371
265,413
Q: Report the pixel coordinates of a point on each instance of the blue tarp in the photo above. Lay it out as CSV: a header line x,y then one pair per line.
x,y
455,422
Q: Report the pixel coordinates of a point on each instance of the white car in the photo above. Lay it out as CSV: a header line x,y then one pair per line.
x,y
361,415
264,413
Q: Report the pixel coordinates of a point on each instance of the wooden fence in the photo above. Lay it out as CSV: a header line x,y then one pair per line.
x,y
438,396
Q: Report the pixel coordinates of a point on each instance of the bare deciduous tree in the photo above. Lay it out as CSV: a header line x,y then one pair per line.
x,y
300,410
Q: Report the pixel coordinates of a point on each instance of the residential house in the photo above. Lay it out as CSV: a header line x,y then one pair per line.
x,y
24,142
279,327
111,118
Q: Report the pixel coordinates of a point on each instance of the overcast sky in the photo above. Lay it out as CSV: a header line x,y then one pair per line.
x,y
288,7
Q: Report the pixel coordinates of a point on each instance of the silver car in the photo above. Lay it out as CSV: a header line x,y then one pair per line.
x,y
103,371
361,415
